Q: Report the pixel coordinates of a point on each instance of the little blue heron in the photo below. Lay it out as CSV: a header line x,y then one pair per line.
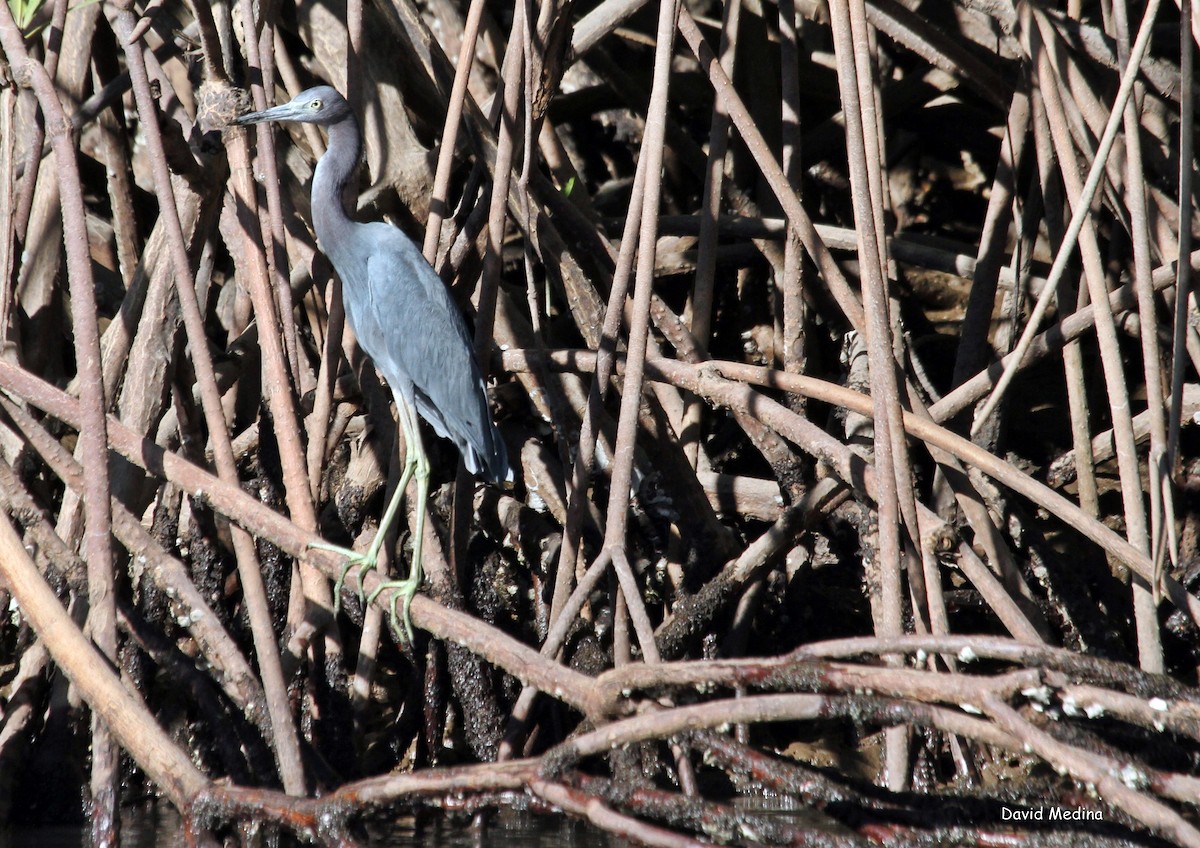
x,y
407,323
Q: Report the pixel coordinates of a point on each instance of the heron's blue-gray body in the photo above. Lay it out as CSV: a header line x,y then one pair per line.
x,y
407,323
404,317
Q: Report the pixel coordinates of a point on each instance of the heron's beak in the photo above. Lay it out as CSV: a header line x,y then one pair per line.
x,y
283,112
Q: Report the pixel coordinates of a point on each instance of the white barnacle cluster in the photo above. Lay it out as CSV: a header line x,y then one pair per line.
x,y
1133,777
1041,694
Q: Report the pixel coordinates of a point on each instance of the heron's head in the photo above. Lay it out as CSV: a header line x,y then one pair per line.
x,y
318,105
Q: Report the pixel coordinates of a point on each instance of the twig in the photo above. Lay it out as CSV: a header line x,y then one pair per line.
x,y
286,741
1080,212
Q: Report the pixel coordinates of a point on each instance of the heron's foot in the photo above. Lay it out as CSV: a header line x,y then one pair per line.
x,y
402,591
365,562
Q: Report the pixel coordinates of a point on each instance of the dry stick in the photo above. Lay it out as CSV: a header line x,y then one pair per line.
x,y
445,165
1149,638
1088,124
229,500
507,104
973,332
1183,702
1183,274
653,144
335,317
285,740
354,55
792,284
972,454
535,124
514,61
112,91
556,637
281,402
604,817
116,156
584,296
862,49
1135,190
331,359
509,99
798,218
1012,732
887,606
22,210
743,573
600,22
307,816
971,648
1087,113
1179,710
93,437
1078,216
1052,208
562,609
1069,328
581,471
317,426
134,726
700,379
262,90
1107,775
707,379
762,708
952,258
698,312
287,71
531,74
925,575
53,550
799,672
1135,709
23,707
639,328
230,667
800,675
1102,448
8,180
1077,400
1035,682
42,260
37,126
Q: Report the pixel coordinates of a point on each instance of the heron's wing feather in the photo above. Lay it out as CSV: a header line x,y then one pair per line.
x,y
412,329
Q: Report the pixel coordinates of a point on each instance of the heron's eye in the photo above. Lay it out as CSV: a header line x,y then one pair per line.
x,y
316,104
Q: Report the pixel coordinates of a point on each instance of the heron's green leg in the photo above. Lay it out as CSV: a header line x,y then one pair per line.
x,y
416,464
369,559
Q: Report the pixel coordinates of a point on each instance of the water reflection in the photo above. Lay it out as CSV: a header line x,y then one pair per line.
x,y
159,827
505,829
151,826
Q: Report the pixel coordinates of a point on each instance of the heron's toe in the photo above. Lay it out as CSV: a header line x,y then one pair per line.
x,y
364,561
402,591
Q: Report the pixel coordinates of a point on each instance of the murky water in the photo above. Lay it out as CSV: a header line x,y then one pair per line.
x,y
160,828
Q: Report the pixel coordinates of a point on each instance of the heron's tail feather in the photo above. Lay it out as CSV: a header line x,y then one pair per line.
x,y
474,433
491,465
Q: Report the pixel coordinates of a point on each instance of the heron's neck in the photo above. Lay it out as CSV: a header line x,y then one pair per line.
x,y
329,182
